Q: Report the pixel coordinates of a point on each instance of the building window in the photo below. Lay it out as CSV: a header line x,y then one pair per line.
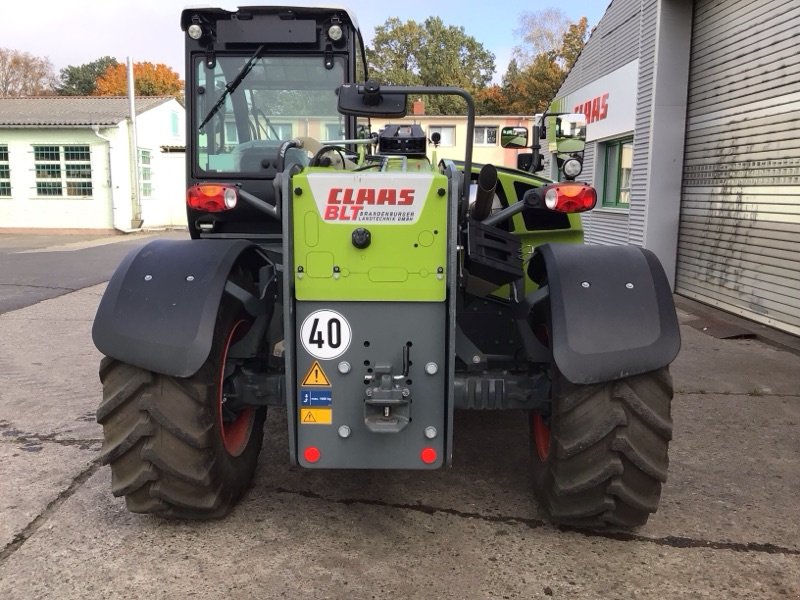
x,y
63,171
334,131
231,135
145,173
174,119
5,173
486,136
282,130
448,133
618,156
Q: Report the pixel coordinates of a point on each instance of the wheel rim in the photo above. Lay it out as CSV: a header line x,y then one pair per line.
x,y
541,437
235,434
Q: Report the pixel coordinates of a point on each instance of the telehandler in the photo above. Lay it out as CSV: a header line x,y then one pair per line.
x,y
370,289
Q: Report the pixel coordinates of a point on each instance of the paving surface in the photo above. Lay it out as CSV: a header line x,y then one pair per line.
x,y
728,526
38,267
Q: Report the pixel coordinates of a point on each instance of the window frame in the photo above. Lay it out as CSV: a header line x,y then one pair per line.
x,y
484,129
60,170
612,183
5,172
434,128
327,127
146,168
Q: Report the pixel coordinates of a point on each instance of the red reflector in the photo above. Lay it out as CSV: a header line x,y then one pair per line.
x,y
311,454
570,197
428,456
212,197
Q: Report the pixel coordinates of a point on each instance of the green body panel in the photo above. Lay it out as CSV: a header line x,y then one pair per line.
x,y
531,238
406,216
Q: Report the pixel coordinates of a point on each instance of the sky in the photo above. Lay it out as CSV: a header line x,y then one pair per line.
x,y
74,32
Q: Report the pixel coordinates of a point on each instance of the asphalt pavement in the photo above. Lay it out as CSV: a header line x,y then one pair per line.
x,y
36,267
728,525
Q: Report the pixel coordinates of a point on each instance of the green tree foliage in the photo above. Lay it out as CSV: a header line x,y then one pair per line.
x,y
23,74
430,53
81,80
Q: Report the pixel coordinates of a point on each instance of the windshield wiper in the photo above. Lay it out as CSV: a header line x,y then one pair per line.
x,y
230,87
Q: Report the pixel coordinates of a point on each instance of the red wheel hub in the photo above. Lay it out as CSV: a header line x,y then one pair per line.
x,y
541,437
235,434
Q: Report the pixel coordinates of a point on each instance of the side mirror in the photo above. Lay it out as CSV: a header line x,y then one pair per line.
x,y
369,100
566,133
514,137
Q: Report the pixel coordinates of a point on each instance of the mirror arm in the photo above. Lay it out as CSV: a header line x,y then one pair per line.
x,y
536,147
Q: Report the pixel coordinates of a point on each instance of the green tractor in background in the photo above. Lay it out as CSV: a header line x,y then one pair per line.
x,y
371,291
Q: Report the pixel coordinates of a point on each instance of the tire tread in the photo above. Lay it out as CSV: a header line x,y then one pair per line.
x,y
608,457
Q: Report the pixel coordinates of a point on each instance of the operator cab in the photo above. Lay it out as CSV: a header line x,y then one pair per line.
x,y
257,78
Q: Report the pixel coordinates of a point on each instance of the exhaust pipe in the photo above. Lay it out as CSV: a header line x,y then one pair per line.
x,y
484,197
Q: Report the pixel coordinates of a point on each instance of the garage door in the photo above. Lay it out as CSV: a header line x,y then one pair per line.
x,y
739,244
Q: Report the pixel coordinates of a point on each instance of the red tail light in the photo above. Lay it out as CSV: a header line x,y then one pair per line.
x,y
428,456
212,197
570,197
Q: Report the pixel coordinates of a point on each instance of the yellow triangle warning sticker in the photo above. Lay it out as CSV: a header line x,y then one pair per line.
x,y
316,416
316,376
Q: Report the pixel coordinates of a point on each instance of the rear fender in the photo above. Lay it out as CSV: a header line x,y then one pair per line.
x,y
160,307
611,310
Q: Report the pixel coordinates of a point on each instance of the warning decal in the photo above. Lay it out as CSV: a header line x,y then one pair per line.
x,y
315,376
316,416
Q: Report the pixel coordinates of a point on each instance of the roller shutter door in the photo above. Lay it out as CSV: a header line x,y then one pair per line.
x,y
739,243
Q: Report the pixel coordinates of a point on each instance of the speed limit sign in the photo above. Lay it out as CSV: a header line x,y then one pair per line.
x,y
325,334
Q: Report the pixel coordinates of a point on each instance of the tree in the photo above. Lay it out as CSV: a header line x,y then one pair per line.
x,y
491,100
572,43
393,56
535,86
81,80
430,53
23,74
550,48
542,32
149,80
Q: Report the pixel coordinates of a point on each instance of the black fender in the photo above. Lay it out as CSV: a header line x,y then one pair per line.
x,y
160,307
611,310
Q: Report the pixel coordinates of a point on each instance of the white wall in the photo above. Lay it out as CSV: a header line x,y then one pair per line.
x,y
111,204
164,125
24,209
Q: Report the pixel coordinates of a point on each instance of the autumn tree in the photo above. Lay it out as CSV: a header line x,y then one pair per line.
x,y
430,53
572,43
149,80
551,45
81,80
23,74
542,32
491,100
534,87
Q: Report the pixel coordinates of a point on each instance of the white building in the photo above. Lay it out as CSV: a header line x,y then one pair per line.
x,y
66,163
692,144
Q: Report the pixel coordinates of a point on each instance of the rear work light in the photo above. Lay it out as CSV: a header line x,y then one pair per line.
x,y
212,197
562,197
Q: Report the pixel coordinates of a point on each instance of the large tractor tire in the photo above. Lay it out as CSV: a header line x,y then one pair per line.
x,y
600,457
174,449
